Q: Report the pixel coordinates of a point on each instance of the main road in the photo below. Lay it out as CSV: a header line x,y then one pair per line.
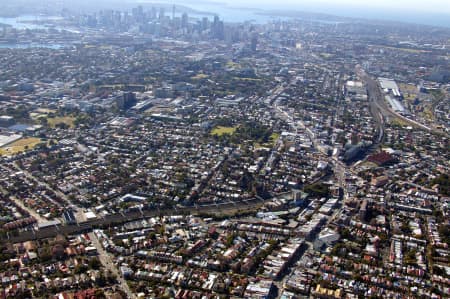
x,y
339,168
107,261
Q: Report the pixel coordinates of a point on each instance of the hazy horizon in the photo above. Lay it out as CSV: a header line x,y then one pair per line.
x,y
432,6
433,12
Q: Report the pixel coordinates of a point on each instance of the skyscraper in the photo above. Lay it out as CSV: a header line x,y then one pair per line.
x,y
218,28
254,42
184,20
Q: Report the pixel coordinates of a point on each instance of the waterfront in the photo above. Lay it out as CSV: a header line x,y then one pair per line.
x,y
230,14
27,21
31,45
265,12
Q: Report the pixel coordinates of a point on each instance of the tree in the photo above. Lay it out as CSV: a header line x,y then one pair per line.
x,y
318,189
62,126
405,227
443,182
99,294
444,233
95,263
230,239
410,257
80,268
43,121
45,254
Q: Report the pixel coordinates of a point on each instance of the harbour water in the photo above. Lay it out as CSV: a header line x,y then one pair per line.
x,y
243,11
30,22
31,45
27,21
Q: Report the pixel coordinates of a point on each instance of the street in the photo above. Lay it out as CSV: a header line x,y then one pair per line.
x,y
107,262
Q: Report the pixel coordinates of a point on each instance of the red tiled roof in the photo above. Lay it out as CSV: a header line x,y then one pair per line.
x,y
380,158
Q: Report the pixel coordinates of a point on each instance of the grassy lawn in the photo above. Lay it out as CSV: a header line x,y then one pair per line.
x,y
428,113
415,51
231,64
219,131
326,55
247,79
399,122
20,146
366,165
408,88
272,139
35,115
68,120
45,111
199,76
112,86
410,98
